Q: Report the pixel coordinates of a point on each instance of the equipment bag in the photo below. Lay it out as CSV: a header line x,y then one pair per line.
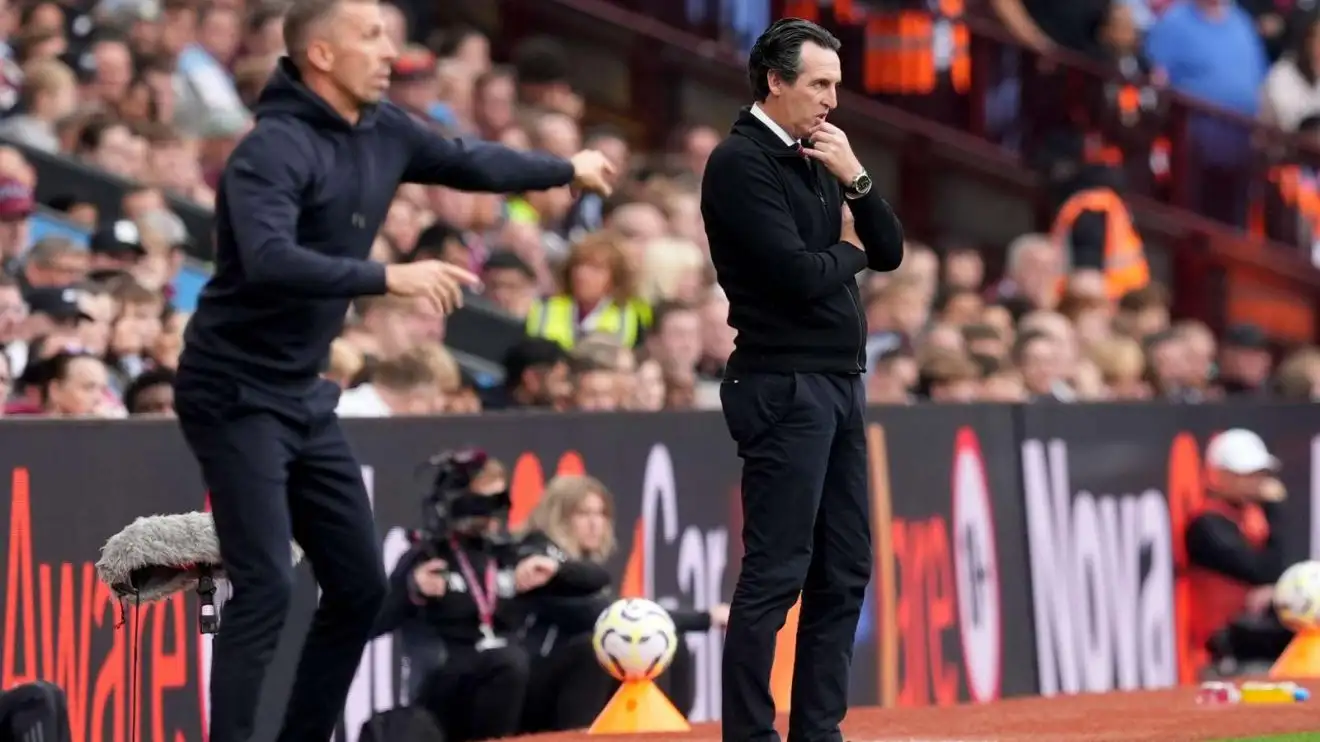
x,y
35,712
403,724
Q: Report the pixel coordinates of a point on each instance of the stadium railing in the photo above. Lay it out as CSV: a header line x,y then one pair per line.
x,y
949,172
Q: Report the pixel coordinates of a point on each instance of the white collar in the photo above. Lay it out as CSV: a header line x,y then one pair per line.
x,y
770,124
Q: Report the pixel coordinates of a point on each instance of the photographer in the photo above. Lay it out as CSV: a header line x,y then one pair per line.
x,y
461,586
568,689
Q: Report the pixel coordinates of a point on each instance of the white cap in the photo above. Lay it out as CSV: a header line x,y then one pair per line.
x,y
1239,451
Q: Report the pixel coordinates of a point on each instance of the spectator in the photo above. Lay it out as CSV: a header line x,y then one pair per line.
x,y
151,393
1292,87
1003,385
893,375
595,388
107,69
1201,352
403,385
1143,312
692,148
116,247
16,206
542,66
494,102
717,338
1210,49
136,330
949,376
510,283
49,94
76,385
536,375
599,294
1122,366
206,90
107,143
57,308
1037,355
264,34
675,337
1034,267
604,351
415,89
1169,369
675,270
1245,361
648,389
963,268
1299,376
13,328
393,325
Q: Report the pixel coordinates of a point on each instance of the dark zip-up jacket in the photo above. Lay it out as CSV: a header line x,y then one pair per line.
x,y
774,219
297,209
453,618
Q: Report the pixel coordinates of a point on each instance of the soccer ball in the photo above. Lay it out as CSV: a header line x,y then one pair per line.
x,y
634,639
1297,596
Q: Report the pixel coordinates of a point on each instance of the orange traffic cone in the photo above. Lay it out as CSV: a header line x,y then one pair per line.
x,y
637,708
1302,657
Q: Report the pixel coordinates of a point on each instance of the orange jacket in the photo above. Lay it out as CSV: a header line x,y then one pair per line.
x,y
908,51
1126,268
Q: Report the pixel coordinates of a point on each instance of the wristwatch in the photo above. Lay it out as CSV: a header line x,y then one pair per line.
x,y
860,186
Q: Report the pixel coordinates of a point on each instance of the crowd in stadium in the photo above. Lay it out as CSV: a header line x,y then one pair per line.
x,y
617,296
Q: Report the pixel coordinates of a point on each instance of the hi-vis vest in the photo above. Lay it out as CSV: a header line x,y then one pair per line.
x,y
1125,255
557,319
1301,194
908,52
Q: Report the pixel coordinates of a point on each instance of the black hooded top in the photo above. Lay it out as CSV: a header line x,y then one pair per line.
x,y
297,209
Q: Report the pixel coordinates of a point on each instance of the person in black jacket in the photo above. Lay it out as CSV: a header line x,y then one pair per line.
x,y
467,596
297,208
575,521
792,217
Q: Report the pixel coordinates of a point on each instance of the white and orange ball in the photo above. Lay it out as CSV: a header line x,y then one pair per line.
x,y
635,639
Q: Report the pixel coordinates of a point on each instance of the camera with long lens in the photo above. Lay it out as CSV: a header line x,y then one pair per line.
x,y
450,501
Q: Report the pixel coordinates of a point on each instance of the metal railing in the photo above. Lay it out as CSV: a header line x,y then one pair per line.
x,y
1194,210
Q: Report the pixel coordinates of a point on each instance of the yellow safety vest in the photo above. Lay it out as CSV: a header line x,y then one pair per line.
x,y
557,319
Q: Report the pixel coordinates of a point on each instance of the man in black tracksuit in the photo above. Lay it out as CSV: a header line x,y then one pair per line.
x,y
298,206
787,252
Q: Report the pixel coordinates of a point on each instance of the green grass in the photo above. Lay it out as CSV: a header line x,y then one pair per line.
x,y
1296,737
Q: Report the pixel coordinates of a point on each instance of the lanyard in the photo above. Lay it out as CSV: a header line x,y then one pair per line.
x,y
484,598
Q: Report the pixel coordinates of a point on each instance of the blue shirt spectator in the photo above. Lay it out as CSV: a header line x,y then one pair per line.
x,y
1210,50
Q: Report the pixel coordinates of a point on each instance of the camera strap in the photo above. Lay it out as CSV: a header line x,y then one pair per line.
x,y
485,597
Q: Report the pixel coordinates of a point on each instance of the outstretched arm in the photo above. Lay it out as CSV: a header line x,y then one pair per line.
x,y
472,165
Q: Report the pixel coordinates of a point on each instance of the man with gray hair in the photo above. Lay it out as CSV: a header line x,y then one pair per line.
x,y
297,209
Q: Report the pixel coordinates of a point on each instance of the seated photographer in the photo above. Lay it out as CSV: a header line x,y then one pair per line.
x,y
568,688
461,585
1235,551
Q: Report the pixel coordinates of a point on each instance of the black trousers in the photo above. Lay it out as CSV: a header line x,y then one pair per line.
x,y
275,470
806,527
568,687
478,695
